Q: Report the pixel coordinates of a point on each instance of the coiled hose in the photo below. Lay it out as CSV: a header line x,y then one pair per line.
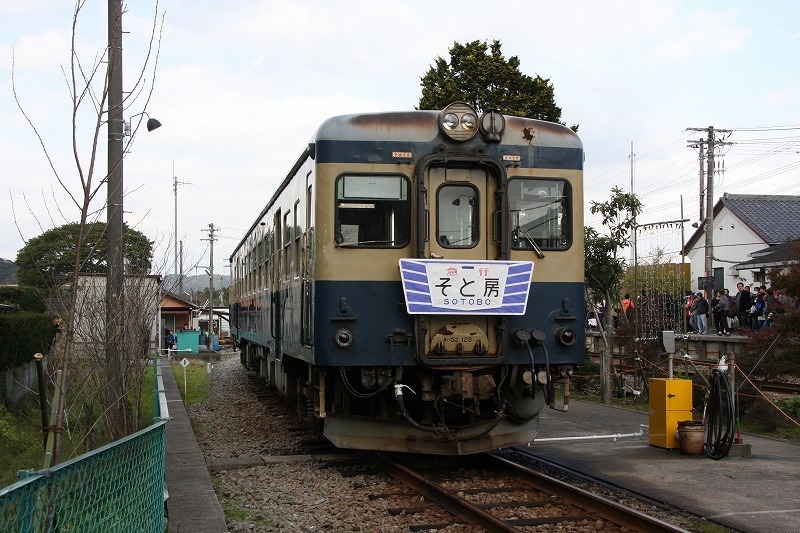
x,y
721,416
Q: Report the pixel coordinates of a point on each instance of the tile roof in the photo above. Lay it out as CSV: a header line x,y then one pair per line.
x,y
774,256
776,219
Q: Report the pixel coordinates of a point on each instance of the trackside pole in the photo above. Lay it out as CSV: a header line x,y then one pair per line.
x,y
184,364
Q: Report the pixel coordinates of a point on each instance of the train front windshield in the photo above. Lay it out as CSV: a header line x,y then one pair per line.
x,y
540,214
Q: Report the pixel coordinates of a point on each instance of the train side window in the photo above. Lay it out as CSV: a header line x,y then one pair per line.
x,y
457,215
372,211
540,212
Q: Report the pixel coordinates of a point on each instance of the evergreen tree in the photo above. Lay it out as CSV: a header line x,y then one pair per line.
x,y
479,74
47,261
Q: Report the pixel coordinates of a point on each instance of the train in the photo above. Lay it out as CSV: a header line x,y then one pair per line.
x,y
416,281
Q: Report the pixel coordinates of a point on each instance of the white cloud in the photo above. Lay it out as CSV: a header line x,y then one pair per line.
x,y
702,34
242,86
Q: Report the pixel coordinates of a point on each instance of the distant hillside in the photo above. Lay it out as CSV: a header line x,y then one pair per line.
x,y
195,283
8,272
8,276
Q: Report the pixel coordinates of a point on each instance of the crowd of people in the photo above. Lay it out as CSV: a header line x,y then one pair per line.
x,y
753,310
717,314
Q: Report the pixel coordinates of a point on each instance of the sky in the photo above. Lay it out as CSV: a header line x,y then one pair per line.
x,y
240,87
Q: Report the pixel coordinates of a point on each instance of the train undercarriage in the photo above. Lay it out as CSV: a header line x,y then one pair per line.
x,y
446,411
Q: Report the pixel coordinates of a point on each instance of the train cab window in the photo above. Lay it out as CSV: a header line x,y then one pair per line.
x,y
540,213
372,211
457,216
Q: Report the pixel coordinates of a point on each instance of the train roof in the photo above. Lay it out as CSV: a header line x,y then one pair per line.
x,y
423,126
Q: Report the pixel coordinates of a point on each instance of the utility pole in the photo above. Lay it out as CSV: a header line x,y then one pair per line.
x,y
702,170
700,145
709,224
211,238
115,303
180,282
178,273
708,220
633,250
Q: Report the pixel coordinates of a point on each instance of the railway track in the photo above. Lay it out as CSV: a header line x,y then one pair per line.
x,y
496,494
779,387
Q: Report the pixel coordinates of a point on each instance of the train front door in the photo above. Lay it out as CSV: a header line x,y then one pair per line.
x,y
462,214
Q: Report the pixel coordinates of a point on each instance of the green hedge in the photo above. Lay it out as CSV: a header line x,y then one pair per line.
x,y
22,335
25,298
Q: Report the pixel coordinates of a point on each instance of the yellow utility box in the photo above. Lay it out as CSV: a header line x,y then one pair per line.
x,y
670,403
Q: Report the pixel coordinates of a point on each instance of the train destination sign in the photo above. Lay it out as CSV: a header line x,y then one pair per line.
x,y
441,286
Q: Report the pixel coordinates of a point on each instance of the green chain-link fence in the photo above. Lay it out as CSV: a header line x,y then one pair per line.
x,y
119,487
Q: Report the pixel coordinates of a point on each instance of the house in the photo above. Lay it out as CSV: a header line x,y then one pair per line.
x,y
774,256
141,308
176,312
747,228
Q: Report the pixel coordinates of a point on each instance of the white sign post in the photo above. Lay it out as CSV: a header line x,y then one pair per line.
x,y
184,364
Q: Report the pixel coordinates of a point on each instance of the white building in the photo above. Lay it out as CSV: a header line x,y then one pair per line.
x,y
745,226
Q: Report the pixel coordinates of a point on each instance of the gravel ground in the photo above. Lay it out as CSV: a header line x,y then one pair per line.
x,y
282,496
240,420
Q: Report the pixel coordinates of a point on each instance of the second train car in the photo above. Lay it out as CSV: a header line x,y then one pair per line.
x,y
416,281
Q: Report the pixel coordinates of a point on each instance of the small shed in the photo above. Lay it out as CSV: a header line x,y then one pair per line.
x,y
176,311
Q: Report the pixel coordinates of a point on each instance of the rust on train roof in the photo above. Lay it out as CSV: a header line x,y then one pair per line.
x,y
418,126
423,126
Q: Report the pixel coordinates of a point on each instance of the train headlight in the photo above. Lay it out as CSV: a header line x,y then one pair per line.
x,y
459,121
450,121
343,338
566,336
469,121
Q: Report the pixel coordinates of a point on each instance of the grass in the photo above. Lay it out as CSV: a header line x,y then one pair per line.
x,y
197,385
788,433
20,443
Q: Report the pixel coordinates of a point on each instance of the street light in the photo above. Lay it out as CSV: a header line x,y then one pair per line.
x,y
151,124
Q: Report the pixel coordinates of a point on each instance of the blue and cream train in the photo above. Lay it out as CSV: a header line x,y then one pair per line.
x,y
416,281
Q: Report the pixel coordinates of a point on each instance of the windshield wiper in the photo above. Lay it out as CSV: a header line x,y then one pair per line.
x,y
539,252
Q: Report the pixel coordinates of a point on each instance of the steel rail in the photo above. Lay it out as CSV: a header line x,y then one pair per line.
x,y
439,496
611,510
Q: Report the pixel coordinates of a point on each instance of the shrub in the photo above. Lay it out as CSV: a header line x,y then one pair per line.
x,y
790,406
25,298
22,335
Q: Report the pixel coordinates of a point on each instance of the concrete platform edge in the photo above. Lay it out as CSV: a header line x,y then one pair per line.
x,y
192,505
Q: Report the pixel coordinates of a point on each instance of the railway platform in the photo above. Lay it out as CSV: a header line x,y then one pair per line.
x,y
192,505
752,493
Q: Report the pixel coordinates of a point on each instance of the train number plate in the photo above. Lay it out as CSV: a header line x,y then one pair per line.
x,y
440,286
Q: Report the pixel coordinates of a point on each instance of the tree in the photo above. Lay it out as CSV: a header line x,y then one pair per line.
x,y
605,268
774,351
97,102
46,261
479,74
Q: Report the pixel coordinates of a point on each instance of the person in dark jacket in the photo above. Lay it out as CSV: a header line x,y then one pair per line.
x,y
757,309
744,301
719,306
700,309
